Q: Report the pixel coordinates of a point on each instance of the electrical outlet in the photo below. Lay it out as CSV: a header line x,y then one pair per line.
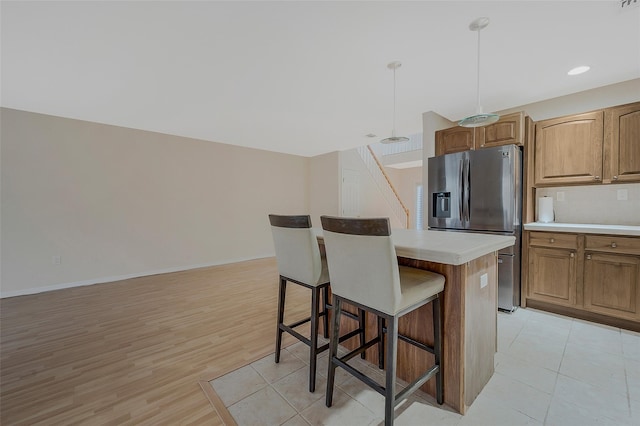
x,y
560,196
56,260
484,280
623,195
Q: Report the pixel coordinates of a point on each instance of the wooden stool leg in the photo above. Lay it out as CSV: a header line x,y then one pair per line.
x,y
313,348
281,297
390,379
333,349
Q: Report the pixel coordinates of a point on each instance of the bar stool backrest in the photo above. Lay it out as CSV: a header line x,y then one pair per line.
x,y
362,261
296,245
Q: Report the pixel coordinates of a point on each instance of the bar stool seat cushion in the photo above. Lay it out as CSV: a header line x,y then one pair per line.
x,y
417,285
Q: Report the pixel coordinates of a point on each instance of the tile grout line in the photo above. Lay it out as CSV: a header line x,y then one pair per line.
x,y
626,375
269,384
555,384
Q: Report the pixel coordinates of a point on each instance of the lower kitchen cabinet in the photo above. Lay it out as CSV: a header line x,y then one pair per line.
x,y
595,277
552,275
611,283
612,276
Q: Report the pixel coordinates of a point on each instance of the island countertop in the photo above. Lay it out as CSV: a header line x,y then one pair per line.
x,y
450,248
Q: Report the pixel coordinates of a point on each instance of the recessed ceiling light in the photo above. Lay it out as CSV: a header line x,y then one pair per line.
x,y
370,135
579,70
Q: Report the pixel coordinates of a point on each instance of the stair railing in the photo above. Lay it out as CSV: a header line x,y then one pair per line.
x,y
376,170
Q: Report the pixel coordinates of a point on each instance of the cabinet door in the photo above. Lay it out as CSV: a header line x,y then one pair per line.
x,y
508,130
569,149
611,284
455,139
552,275
622,143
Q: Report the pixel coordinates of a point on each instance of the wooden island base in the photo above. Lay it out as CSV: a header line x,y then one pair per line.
x,y
470,330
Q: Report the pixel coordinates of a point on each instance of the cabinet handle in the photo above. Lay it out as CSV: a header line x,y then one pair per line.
x,y
596,177
552,240
615,178
573,254
614,245
588,257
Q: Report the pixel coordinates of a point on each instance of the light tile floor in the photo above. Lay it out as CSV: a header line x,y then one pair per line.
x,y
550,370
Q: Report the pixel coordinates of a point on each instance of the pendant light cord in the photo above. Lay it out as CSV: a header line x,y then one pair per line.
x,y
393,138
479,119
393,130
478,106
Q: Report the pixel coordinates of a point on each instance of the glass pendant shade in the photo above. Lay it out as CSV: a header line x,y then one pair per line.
x,y
478,120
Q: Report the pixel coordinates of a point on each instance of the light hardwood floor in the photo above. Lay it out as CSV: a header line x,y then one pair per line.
x,y
133,351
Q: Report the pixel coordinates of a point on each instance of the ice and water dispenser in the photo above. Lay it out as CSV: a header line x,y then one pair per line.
x,y
441,204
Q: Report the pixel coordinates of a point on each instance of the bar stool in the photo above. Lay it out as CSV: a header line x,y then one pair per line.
x,y
365,273
300,262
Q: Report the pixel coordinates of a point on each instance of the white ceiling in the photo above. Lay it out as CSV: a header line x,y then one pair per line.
x,y
303,77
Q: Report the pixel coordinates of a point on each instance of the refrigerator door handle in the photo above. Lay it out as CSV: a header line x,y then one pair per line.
x,y
461,189
468,190
466,185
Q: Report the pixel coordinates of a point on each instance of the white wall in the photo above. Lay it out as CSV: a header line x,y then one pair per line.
x,y
405,182
599,204
324,186
589,100
114,202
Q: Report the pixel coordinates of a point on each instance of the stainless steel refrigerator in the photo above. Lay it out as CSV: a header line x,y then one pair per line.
x,y
481,191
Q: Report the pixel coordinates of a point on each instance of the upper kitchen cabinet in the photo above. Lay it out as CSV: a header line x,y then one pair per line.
x,y
568,150
509,129
454,139
622,144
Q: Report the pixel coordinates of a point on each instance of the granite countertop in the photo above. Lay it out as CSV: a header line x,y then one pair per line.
x,y
584,228
451,248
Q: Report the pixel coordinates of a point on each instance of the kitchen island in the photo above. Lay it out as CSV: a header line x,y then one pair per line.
x,y
469,263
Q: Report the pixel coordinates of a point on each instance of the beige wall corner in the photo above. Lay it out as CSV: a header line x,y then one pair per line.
x,y
324,186
85,202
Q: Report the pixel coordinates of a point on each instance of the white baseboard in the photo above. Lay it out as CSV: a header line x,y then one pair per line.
x,y
102,280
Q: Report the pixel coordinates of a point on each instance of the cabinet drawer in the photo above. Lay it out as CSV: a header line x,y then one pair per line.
x,y
553,239
612,244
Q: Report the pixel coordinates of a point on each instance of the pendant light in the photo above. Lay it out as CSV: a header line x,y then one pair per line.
x,y
479,119
393,139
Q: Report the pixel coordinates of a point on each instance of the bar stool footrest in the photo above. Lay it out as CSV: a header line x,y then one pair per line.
x,y
359,349
415,343
359,375
291,331
413,386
